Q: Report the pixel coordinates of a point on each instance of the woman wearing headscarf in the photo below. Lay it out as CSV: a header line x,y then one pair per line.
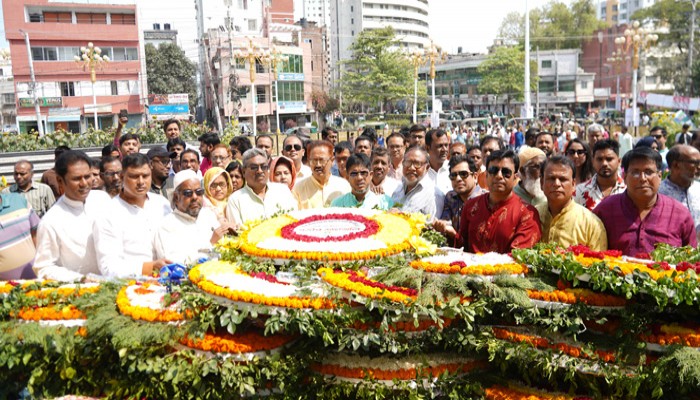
x,y
282,170
217,189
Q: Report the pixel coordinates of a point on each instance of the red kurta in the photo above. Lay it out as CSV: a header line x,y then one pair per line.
x,y
508,225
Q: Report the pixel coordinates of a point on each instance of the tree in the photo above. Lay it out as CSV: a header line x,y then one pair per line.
x,y
503,73
169,71
553,26
377,73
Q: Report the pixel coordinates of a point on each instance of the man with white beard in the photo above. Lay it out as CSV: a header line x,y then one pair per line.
x,y
529,188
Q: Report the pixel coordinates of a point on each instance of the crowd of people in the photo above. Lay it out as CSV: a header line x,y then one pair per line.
x,y
131,213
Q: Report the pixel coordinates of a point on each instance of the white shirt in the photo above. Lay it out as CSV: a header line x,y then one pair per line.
x,y
441,177
423,198
244,205
180,236
65,248
124,235
389,185
304,172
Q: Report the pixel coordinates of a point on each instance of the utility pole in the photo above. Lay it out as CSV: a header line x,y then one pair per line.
x,y
691,49
199,8
33,85
214,93
528,100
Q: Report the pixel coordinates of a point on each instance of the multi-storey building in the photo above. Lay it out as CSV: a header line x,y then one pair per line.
x,y
615,12
57,31
8,104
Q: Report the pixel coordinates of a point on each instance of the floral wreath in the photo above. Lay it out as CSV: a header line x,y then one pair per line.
x,y
145,302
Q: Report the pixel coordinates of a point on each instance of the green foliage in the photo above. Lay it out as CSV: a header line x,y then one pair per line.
x,y
503,73
169,71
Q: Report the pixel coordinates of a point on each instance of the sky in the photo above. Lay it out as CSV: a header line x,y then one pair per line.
x,y
471,24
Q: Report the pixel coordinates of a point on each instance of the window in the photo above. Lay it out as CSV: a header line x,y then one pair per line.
x,y
121,53
352,8
567,86
261,96
123,19
45,54
91,18
547,87
156,27
312,65
584,85
614,7
650,80
114,87
35,17
295,63
243,4
60,17
68,53
9,98
352,21
291,91
67,89
546,63
259,67
623,16
252,24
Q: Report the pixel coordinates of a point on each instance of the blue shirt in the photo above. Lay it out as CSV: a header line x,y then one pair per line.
x,y
372,201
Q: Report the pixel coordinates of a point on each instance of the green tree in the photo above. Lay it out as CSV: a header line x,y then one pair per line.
x,y
553,26
503,73
377,73
169,71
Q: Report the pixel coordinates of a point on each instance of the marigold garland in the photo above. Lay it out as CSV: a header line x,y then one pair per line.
x,y
248,342
198,277
349,281
542,343
405,326
145,313
411,371
573,296
462,268
63,291
50,313
511,393
673,334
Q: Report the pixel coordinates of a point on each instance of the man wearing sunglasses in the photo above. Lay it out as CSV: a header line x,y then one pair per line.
x,y
259,198
293,148
499,221
190,230
684,165
360,196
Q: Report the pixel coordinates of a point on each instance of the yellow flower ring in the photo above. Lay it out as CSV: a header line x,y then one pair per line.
x,y
477,265
331,234
353,368
357,283
246,290
144,302
241,346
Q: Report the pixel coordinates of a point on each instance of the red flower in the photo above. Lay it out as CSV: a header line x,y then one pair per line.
x,y
357,278
370,228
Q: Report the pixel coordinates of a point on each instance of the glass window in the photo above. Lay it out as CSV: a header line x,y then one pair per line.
x,y
584,85
261,96
547,86
67,89
132,53
114,87
60,17
567,86
38,53
294,64
546,63
252,24
123,19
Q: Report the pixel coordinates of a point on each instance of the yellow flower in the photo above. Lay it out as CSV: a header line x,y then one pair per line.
x,y
3,182
418,220
422,246
229,243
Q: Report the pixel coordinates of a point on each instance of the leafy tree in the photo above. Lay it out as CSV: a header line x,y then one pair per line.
x,y
170,71
377,73
503,73
324,103
553,26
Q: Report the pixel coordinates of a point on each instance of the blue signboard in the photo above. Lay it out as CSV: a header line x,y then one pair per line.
x,y
169,109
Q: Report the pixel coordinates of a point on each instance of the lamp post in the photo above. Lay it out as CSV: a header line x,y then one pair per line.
x,y
253,53
638,39
276,58
434,54
92,60
618,59
417,59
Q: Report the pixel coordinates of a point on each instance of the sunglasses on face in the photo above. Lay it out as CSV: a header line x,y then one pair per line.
x,y
361,174
189,193
258,167
289,147
576,152
506,172
461,174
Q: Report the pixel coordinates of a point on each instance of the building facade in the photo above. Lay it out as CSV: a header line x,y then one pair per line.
x,y
8,103
615,12
57,31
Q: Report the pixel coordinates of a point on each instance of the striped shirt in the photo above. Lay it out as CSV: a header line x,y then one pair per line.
x,y
39,195
17,222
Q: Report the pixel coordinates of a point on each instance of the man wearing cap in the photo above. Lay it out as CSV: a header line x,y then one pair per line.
x,y
529,188
159,161
190,230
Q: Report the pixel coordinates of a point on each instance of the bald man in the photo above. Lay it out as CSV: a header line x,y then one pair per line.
x,y
38,195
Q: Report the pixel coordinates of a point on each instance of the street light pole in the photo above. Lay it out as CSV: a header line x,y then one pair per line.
x,y
417,60
526,94
91,60
434,54
33,85
275,59
691,49
252,53
618,59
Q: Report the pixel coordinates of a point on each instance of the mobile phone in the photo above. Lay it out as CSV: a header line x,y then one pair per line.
x,y
123,113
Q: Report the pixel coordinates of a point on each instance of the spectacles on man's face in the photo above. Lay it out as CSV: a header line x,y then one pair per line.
x,y
462,174
189,192
319,161
289,147
258,167
361,174
413,164
494,170
657,136
648,173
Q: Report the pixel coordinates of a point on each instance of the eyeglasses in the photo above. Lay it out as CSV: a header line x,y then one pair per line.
x,y
647,173
461,174
258,167
289,147
220,185
657,136
319,161
361,174
112,173
694,163
413,163
189,192
506,172
572,152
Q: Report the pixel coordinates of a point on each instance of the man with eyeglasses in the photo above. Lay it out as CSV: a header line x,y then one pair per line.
x,y
416,135
221,155
361,196
463,173
125,230
417,192
259,198
321,188
396,143
190,230
160,170
293,148
641,217
499,221
529,188
684,164
65,242
607,180
111,173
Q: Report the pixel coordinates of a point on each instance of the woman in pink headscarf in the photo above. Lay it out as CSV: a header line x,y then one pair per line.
x,y
282,171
